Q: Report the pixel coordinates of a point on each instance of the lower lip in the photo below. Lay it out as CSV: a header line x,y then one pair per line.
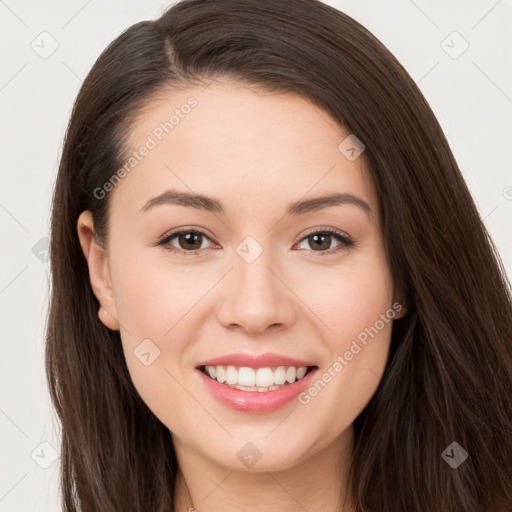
x,y
255,401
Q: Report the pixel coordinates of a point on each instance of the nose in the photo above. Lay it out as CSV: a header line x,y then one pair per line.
x,y
256,297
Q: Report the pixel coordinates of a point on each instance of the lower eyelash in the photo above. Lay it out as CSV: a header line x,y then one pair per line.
x,y
342,238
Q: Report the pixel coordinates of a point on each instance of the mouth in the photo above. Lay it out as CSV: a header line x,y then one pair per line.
x,y
256,380
255,383
256,390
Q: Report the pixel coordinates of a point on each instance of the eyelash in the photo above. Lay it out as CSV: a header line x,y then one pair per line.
x,y
345,241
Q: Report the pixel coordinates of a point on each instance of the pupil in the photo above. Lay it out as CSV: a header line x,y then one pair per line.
x,y
189,239
324,245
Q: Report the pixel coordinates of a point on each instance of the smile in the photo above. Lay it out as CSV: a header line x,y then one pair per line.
x,y
255,383
259,380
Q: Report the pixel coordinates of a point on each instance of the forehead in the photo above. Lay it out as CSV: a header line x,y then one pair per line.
x,y
239,143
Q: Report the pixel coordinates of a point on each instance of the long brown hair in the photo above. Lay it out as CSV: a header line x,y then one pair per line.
x,y
449,373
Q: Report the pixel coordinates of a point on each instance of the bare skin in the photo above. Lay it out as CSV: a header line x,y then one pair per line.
x,y
255,152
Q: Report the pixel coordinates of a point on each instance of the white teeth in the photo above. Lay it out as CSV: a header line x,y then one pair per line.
x,y
301,372
280,375
264,377
291,374
231,375
221,373
246,377
255,379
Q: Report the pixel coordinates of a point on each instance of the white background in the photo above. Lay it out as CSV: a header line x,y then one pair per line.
x,y
471,96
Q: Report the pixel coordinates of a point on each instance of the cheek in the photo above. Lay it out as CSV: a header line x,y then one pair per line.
x,y
152,303
152,297
356,305
348,299
157,301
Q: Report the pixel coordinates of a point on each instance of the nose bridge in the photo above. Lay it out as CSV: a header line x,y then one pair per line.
x,y
255,297
255,286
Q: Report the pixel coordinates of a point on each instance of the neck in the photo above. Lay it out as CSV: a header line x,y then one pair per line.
x,y
316,484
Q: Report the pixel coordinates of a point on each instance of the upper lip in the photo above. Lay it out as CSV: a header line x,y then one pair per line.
x,y
255,361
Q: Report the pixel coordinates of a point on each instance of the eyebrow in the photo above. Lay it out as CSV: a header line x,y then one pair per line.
x,y
202,202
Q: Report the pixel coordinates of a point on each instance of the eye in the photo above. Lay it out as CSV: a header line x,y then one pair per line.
x,y
320,240
189,241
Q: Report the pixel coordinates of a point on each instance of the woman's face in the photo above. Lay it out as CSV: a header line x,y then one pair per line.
x,y
254,273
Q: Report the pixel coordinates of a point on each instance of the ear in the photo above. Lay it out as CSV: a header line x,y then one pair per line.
x,y
99,273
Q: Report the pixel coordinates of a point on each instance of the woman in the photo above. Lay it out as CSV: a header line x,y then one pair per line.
x,y
271,287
